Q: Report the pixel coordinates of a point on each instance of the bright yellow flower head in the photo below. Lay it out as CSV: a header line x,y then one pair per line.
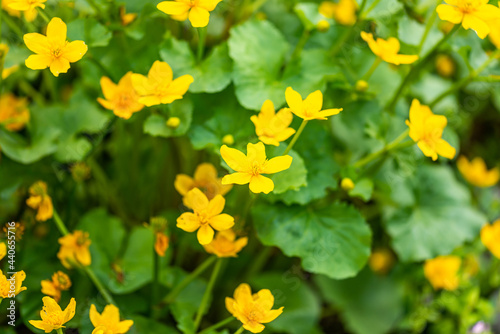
x,y
473,14
310,108
198,11
121,98
3,250
271,127
108,322
53,287
252,310
161,243
225,244
53,317
206,217
381,261
490,237
250,167
344,12
5,284
26,5
388,49
476,172
126,18
14,113
41,201
53,50
158,87
426,130
74,249
205,178
442,272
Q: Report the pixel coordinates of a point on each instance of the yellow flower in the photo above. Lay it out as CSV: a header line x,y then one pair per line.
x,y
252,310
344,12
473,14
26,5
3,250
158,87
205,179
271,127
388,49
198,11
206,216
53,287
310,108
347,184
476,172
445,66
490,237
442,272
426,130
18,227
121,98
225,244
5,284
53,50
40,201
108,322
323,25
125,18
14,113
53,317
161,243
381,261
74,249
249,168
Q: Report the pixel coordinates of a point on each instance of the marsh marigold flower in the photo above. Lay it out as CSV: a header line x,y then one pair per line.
x,y
472,14
206,216
27,5
310,108
108,322
126,18
161,243
3,250
74,249
490,237
442,272
41,201
198,11
271,127
205,178
250,167
426,130
5,286
158,87
252,310
476,172
388,49
121,98
53,317
344,12
347,184
14,113
381,261
53,287
225,244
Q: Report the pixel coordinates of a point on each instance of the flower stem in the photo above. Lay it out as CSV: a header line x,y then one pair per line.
x,y
206,295
300,44
13,26
99,285
372,69
217,325
60,224
387,148
202,37
297,135
59,331
156,275
43,15
239,331
369,9
428,27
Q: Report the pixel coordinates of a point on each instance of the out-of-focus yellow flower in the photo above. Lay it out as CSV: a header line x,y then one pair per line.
x,y
426,130
344,12
490,237
53,287
445,65
108,322
476,172
126,18
29,15
161,243
158,87
472,14
18,228
381,261
173,122
388,49
53,50
252,310
310,108
271,127
14,113
41,201
5,284
323,25
27,5
3,250
53,317
442,272
121,98
225,244
361,86
347,184
228,139
205,178
250,167
206,216
74,249
8,71
198,11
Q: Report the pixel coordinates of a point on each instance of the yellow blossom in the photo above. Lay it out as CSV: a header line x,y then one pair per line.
x,y
126,18
53,50
252,310
108,322
41,201
347,184
173,122
310,108
74,249
3,250
381,260
205,178
250,167
476,172
53,287
158,87
271,127
206,216
344,12
14,113
18,228
442,272
445,65
225,244
121,98
161,243
472,14
53,317
198,11
388,49
26,5
5,284
426,130
490,237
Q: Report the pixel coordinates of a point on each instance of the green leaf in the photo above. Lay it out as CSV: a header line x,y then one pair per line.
x,y
156,124
42,142
292,178
148,325
334,240
90,31
363,189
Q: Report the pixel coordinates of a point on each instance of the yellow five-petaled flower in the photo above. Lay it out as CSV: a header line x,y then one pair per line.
x,y
442,272
388,49
41,201
53,317
108,322
75,249
6,290
198,11
53,287
121,98
271,127
205,178
476,172
225,244
310,108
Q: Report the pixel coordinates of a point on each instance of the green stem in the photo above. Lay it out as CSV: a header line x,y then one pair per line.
x,y
348,33
206,295
49,82
27,89
43,15
300,44
60,224
387,148
297,135
369,9
372,69
202,37
99,285
428,27
59,331
259,262
103,69
217,325
11,24
239,331
156,275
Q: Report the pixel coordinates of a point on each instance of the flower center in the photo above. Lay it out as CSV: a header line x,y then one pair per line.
x,y
469,6
256,168
124,100
57,52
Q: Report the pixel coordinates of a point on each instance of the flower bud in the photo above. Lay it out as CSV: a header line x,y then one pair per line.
x,y
173,122
347,184
362,86
445,66
323,26
228,140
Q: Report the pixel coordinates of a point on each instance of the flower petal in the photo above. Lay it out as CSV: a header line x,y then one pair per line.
x,y
108,88
180,85
195,199
70,311
215,206
199,17
450,14
475,23
256,153
277,164
188,222
261,184
74,51
38,62
237,178
173,7
183,183
444,149
205,234
314,102
37,43
294,100
56,31
235,159
59,65
95,317
221,222
271,315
